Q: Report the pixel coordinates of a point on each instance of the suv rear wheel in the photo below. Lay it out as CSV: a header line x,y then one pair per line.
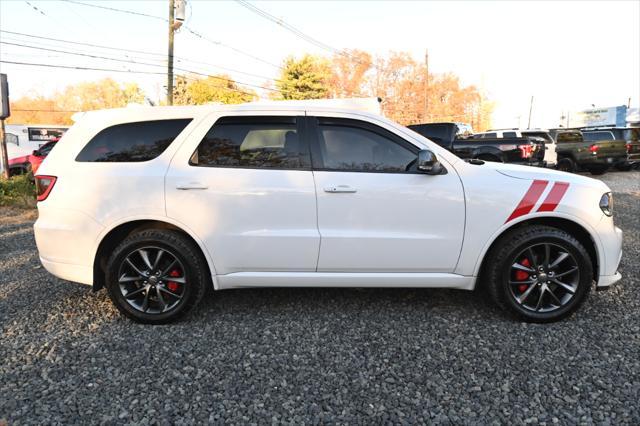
x,y
566,165
156,276
540,273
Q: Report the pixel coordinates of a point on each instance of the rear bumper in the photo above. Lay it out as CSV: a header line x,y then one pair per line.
x,y
66,242
76,273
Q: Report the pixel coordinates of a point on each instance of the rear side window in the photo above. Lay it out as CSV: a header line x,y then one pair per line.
x,y
253,142
509,135
567,137
132,142
598,136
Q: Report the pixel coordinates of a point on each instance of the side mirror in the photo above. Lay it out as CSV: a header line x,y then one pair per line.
x,y
428,163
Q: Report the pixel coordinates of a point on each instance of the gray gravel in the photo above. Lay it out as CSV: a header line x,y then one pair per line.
x,y
315,355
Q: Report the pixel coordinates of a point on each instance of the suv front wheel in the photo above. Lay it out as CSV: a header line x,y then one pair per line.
x,y
156,276
539,273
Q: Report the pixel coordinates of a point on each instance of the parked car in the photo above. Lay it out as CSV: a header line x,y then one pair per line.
x,y
159,203
31,162
630,135
576,153
516,150
550,154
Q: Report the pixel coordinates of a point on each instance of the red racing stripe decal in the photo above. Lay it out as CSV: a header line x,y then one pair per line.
x,y
554,197
529,200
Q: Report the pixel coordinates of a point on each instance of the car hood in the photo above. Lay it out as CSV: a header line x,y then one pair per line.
x,y
532,173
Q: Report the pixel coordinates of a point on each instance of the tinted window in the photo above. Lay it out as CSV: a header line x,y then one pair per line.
x,y
598,136
632,135
132,142
46,148
354,148
543,135
509,135
566,137
487,135
256,142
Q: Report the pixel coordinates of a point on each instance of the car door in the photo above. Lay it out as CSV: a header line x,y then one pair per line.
x,y
376,213
244,185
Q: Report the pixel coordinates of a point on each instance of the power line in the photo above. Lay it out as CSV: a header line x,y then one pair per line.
x,y
161,55
73,67
43,110
197,34
113,9
112,70
138,63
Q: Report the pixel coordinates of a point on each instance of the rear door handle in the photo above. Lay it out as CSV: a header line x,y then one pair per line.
x,y
340,188
191,185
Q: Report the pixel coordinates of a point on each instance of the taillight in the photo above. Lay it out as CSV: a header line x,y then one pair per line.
x,y
44,185
628,148
526,151
594,149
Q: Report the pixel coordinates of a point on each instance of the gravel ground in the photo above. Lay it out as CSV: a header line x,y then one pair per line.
x,y
315,355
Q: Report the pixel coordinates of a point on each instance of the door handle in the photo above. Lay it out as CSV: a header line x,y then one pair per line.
x,y
340,188
191,185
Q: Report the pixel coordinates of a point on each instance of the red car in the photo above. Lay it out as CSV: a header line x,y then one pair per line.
x,y
26,163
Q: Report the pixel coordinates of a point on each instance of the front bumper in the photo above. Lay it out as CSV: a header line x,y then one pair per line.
x,y
609,274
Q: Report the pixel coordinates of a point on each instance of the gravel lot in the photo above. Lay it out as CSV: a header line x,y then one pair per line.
x,y
315,355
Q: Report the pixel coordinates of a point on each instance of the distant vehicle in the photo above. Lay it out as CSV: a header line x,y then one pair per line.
x,y
516,150
575,153
31,162
550,154
23,139
630,135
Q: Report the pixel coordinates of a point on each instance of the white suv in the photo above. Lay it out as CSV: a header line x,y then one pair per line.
x,y
158,203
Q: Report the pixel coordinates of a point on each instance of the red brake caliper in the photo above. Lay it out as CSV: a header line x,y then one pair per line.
x,y
522,275
172,285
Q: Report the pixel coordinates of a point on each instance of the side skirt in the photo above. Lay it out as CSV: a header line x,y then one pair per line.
x,y
343,279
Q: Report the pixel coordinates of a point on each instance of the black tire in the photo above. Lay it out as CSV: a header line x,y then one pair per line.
x,y
598,170
498,277
566,165
623,167
174,245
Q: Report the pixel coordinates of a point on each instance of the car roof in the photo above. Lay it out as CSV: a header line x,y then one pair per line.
x,y
164,112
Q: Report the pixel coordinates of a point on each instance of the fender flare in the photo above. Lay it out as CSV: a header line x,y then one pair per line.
x,y
156,218
600,253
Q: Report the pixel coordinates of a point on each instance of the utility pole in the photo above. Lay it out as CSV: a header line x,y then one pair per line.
x,y
530,109
170,57
176,18
426,83
5,111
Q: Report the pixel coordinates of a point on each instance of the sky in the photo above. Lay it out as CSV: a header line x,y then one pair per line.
x,y
568,55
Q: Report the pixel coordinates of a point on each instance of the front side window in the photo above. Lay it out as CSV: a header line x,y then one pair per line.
x,y
253,142
349,147
132,142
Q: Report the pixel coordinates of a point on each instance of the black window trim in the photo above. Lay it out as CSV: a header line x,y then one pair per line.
x,y
298,120
313,126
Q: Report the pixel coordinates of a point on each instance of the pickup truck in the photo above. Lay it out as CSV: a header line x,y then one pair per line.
x,y
630,136
550,155
525,150
595,156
